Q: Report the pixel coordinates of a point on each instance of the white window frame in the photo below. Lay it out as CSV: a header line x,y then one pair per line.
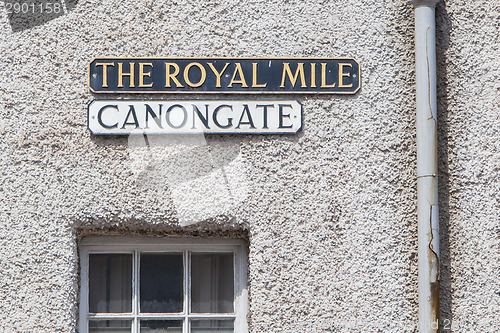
x,y
134,245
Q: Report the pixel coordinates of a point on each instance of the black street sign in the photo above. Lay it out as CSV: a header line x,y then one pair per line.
x,y
225,75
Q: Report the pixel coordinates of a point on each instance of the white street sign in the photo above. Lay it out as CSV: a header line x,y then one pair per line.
x,y
123,117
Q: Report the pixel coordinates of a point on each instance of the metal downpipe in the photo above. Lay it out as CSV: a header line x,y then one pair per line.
x,y
427,183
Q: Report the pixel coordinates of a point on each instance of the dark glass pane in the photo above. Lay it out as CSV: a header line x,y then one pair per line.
x,y
110,283
105,326
212,282
161,283
161,326
212,326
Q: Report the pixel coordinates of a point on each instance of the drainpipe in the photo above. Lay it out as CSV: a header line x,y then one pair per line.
x,y
427,183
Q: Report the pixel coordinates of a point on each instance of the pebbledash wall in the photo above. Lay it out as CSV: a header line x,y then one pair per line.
x,y
329,214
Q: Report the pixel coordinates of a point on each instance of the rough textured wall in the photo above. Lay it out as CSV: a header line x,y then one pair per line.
x,y
469,144
330,212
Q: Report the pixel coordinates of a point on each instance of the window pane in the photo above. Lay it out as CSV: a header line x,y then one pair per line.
x,y
115,326
161,326
212,282
212,326
110,283
161,283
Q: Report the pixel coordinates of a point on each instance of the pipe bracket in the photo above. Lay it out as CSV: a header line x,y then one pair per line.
x,y
424,2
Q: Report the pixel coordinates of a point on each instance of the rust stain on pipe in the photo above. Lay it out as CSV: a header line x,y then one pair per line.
x,y
434,286
435,304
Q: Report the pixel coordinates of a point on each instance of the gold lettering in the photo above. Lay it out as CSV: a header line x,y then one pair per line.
x,y
342,75
313,75
203,74
121,74
217,74
254,77
105,72
238,70
293,78
323,77
172,76
142,74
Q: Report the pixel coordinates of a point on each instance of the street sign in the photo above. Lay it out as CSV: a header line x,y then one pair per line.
x,y
225,75
124,117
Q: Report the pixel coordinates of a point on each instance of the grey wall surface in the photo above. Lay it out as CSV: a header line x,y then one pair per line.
x,y
329,213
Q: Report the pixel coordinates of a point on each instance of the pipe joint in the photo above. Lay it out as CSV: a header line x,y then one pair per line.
x,y
427,176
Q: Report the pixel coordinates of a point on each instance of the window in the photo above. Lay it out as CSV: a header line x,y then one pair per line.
x,y
163,285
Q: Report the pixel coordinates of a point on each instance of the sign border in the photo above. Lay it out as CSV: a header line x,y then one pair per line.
x,y
189,133
228,92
